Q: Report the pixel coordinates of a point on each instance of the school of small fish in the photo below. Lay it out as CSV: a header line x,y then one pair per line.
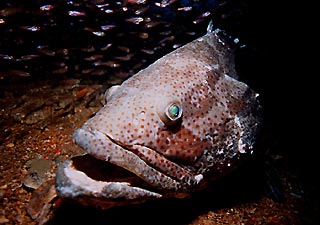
x,y
178,125
90,38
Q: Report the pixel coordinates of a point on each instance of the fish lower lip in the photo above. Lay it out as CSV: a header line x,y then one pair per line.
x,y
94,182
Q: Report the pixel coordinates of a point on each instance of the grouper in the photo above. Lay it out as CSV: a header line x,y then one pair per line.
x,y
176,126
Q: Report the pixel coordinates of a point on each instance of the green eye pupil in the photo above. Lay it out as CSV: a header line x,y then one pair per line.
x,y
174,111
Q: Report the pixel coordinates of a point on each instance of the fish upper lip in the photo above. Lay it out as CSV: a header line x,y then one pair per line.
x,y
124,156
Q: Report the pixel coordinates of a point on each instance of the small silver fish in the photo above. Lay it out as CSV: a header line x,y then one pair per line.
x,y
178,125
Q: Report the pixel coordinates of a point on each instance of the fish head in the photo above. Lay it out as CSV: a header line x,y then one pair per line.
x,y
149,122
172,118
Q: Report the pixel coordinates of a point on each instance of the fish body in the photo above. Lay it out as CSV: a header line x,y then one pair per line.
x,y
178,125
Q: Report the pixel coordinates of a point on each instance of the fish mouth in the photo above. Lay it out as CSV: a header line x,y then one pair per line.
x,y
127,176
91,181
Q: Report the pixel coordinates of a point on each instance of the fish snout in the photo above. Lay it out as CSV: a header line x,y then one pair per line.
x,y
93,142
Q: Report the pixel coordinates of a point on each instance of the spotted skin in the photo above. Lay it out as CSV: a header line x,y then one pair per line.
x,y
213,125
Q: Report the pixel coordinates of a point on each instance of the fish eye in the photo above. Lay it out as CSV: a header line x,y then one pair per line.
x,y
173,111
169,110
